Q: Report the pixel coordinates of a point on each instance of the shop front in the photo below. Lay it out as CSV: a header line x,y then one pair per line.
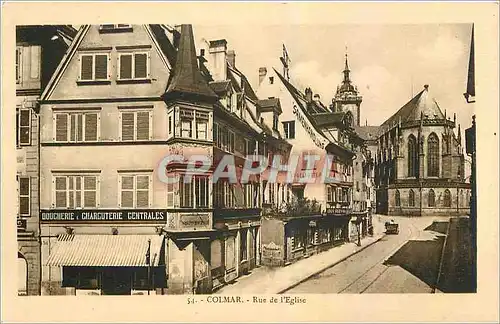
x,y
285,241
110,264
104,252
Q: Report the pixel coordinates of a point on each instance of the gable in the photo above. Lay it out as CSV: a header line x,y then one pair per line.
x,y
139,42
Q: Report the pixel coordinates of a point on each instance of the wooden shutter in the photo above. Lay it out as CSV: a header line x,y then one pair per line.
x,y
128,126
143,125
125,66
90,191
24,196
91,127
141,65
87,66
142,190
170,195
61,190
101,67
127,191
62,127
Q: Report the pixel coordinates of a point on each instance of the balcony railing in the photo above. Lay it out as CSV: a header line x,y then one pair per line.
x,y
296,208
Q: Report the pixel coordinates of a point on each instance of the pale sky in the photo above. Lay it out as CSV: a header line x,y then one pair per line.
x,y
385,60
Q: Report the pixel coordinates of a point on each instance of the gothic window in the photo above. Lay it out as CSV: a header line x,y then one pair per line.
x,y
431,199
433,156
412,156
398,198
447,198
411,198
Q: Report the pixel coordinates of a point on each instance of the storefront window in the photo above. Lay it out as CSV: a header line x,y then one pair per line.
x,y
299,239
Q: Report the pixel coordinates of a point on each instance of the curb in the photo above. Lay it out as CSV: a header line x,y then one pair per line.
x,y
438,277
328,266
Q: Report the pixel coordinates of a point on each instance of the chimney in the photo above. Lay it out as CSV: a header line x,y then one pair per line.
x,y
309,94
218,57
262,74
231,58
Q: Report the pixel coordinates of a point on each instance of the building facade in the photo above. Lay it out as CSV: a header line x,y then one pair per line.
x,y
319,213
420,162
34,46
125,98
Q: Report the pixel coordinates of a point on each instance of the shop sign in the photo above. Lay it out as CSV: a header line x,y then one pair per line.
x,y
102,216
195,220
21,225
338,211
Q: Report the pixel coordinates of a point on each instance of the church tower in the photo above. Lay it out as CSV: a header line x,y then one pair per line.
x,y
347,97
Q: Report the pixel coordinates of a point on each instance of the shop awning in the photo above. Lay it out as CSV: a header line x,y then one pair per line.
x,y
106,250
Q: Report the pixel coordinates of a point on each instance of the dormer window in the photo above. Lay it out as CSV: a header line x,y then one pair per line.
x,y
115,28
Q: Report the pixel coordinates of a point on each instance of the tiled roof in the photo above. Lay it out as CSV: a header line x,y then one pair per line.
x,y
367,132
220,87
187,78
105,250
328,118
422,103
166,46
269,103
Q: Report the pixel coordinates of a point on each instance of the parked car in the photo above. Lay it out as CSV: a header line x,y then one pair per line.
x,y
391,227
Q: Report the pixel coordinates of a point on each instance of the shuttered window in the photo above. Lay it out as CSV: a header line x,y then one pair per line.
x,y
76,191
24,196
136,125
24,127
76,127
135,191
94,67
133,66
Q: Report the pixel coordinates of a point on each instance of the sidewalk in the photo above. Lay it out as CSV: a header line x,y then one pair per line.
x,y
267,280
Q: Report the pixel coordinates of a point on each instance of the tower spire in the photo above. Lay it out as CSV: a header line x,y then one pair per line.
x,y
346,68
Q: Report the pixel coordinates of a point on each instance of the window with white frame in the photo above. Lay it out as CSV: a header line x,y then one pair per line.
x,y
136,125
23,135
76,191
94,67
24,184
289,129
224,194
133,66
194,194
19,64
76,126
201,125
135,190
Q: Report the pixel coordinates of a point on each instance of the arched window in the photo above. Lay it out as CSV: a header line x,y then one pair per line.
x,y
447,198
433,156
397,198
411,198
431,199
412,156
